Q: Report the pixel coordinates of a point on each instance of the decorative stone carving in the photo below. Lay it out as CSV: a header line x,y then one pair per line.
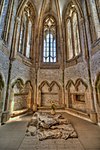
x,y
22,95
50,92
77,93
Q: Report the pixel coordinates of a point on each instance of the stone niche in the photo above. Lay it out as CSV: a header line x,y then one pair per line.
x,y
1,92
21,95
48,93
77,94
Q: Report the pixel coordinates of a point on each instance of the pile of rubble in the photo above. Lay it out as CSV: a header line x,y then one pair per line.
x,y
47,126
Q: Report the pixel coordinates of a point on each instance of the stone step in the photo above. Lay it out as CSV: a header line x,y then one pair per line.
x,y
19,112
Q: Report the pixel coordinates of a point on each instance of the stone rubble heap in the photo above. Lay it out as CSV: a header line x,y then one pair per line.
x,y
47,126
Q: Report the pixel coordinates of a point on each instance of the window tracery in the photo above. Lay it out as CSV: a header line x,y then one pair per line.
x,y
72,33
7,24
3,11
29,40
49,40
94,20
25,29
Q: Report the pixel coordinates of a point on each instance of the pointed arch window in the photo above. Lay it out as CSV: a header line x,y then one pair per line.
x,y
76,34
8,21
21,38
72,34
49,40
24,32
29,40
3,11
69,40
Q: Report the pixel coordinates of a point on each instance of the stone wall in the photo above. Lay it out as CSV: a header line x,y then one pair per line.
x,y
49,78
95,71
25,73
66,83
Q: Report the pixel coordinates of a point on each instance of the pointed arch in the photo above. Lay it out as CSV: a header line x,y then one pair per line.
x,y
18,81
72,14
22,4
55,83
49,39
28,81
78,82
23,40
69,83
50,92
44,83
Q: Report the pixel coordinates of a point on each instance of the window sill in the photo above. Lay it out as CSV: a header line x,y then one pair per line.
x,y
24,59
74,61
49,65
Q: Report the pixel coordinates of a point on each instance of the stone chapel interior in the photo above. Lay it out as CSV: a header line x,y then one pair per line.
x,y
50,53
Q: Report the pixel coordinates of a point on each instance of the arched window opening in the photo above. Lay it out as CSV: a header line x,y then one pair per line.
x,y
76,34
29,40
4,6
95,19
69,40
49,40
21,38
7,22
72,33
24,32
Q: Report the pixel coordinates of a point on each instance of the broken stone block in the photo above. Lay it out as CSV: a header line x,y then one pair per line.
x,y
34,122
32,130
49,134
48,126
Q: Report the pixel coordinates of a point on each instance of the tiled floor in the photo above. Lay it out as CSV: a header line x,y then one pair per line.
x,y
12,137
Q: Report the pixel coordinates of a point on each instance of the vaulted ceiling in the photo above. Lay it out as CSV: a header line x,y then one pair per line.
x,y
56,6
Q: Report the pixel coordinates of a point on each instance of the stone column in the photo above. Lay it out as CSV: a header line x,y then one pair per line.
x,y
93,115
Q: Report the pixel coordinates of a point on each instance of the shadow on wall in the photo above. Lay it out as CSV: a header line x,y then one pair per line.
x,y
1,92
